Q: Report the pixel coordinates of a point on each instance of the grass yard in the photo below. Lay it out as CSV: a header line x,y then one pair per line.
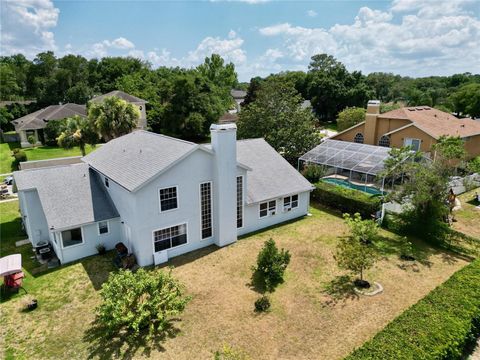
x,y
314,314
37,153
468,217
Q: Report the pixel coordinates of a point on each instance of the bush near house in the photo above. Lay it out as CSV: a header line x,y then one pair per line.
x,y
346,200
440,326
19,156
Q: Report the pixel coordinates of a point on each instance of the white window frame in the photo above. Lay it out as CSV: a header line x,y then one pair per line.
x,y
289,206
270,211
168,227
71,246
409,142
355,137
160,201
211,207
243,201
108,227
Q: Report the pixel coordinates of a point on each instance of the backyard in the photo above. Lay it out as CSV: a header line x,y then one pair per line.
x,y
314,313
37,153
468,217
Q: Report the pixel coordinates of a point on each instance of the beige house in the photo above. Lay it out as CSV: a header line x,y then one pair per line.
x,y
419,127
139,103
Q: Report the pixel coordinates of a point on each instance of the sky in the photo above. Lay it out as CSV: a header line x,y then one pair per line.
x,y
406,37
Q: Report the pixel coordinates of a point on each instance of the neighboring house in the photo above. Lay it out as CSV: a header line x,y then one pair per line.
x,y
34,123
239,97
419,127
161,196
139,103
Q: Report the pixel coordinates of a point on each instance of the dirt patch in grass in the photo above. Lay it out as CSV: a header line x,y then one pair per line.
x,y
468,217
313,314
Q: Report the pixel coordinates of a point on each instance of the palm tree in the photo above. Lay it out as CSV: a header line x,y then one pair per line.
x,y
113,117
77,132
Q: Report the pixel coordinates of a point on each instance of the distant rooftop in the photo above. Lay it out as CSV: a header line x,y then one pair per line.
x,y
238,94
120,94
39,118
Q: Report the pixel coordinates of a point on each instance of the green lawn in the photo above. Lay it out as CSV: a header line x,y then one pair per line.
x,y
38,153
314,314
468,217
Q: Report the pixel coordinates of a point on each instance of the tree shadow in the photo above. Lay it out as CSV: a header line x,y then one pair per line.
x,y
257,283
125,345
421,252
340,289
99,267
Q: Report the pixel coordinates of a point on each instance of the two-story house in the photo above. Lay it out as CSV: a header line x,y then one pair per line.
x,y
161,196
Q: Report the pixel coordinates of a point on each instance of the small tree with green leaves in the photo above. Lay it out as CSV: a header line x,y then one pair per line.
x,y
350,116
144,299
356,252
271,265
77,131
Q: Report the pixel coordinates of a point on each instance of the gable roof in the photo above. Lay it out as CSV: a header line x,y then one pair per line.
x,y
133,159
39,118
435,122
271,175
120,94
70,195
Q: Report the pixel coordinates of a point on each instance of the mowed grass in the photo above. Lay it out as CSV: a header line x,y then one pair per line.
x,y
37,153
313,316
468,218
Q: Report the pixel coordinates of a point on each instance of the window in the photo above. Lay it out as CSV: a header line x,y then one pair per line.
x,y
268,208
170,237
72,237
206,209
107,184
413,143
384,141
168,198
239,201
103,227
290,202
358,138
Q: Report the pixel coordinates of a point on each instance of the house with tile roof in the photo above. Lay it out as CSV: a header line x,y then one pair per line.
x,y
34,123
419,127
160,196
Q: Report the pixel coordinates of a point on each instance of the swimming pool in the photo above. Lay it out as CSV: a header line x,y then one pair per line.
x,y
348,184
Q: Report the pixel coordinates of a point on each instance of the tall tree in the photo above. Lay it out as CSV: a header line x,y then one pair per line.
x,y
466,100
77,131
277,116
113,117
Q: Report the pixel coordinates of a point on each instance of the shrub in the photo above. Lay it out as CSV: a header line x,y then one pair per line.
x,y
406,249
271,265
230,353
52,131
19,156
262,304
473,166
314,173
440,326
16,150
346,200
350,116
31,140
134,301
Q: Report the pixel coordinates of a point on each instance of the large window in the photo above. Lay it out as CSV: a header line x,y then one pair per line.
x,y
268,208
384,141
239,201
358,138
290,202
72,237
168,199
103,227
413,143
206,209
170,237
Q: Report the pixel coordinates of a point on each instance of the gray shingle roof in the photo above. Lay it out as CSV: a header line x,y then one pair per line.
x,y
120,94
133,159
39,118
271,176
70,195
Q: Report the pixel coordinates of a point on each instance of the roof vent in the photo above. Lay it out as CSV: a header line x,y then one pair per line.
x,y
418,108
462,125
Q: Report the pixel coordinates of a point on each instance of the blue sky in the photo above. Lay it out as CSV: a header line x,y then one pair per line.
x,y
409,37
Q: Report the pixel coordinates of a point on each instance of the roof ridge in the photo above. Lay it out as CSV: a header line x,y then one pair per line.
x,y
165,136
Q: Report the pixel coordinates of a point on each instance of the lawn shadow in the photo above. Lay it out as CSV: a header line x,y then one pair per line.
x,y
99,267
257,283
340,289
420,251
326,209
189,257
124,345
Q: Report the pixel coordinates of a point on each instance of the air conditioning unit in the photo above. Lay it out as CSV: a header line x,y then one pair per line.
x,y
272,213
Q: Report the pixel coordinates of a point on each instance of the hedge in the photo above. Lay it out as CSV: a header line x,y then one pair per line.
x,y
440,326
346,200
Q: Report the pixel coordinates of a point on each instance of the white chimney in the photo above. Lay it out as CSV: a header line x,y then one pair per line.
x,y
224,145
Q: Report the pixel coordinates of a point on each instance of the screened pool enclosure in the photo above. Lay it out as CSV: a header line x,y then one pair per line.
x,y
357,163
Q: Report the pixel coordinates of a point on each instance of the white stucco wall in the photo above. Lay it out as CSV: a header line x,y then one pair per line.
x,y
34,218
253,222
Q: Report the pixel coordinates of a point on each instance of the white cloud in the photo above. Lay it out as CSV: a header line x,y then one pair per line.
x,y
396,41
311,13
122,43
25,26
230,49
101,49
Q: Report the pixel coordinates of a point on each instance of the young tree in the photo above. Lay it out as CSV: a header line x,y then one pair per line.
x,y
350,116
277,115
356,252
76,131
113,117
271,265
133,301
